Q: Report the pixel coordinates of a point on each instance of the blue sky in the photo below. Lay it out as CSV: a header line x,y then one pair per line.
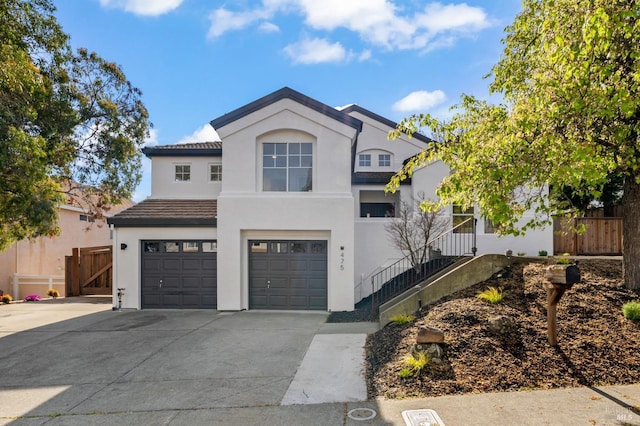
x,y
195,60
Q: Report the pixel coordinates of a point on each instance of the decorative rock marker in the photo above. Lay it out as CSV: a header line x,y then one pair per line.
x,y
430,335
428,342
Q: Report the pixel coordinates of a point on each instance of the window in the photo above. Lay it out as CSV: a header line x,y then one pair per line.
x,y
190,247
384,160
489,226
87,218
215,172
364,160
209,246
171,247
287,167
461,222
183,172
377,210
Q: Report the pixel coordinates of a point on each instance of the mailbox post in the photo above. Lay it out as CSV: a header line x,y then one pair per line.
x,y
560,278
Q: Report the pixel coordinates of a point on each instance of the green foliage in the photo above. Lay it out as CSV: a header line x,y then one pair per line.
x,y
71,125
542,253
491,294
521,253
405,373
402,319
569,77
416,363
6,298
564,259
631,310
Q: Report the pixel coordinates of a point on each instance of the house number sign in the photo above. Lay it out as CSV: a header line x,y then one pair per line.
x,y
342,258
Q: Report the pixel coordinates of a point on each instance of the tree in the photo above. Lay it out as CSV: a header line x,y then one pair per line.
x,y
569,77
411,231
71,125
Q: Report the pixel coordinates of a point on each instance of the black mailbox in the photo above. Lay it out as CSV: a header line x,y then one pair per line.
x,y
572,274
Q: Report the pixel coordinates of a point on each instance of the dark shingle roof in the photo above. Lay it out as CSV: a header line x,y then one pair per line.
x,y
158,212
381,119
199,149
374,178
286,93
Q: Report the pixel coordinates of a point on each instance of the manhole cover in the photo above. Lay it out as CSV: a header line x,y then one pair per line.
x,y
361,414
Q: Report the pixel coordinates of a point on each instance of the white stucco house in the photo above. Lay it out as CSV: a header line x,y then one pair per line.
x,y
286,212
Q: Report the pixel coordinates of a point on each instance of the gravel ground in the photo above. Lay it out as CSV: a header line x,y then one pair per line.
x,y
596,344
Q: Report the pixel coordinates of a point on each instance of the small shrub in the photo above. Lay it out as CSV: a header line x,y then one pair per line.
x,y
564,259
491,295
521,253
405,373
402,319
52,292
7,298
542,253
631,310
416,364
32,298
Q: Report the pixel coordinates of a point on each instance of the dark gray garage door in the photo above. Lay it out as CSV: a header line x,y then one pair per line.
x,y
288,275
179,274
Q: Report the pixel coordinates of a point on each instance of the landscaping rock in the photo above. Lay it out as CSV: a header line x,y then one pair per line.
x,y
433,351
430,335
502,324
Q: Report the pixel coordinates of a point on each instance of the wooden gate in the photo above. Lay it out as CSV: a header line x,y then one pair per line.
x,y
603,236
89,271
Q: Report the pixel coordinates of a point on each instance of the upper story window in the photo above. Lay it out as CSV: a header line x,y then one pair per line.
x,y
384,160
215,172
183,173
287,167
364,160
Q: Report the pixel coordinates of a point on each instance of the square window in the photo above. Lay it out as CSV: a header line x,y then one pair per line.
x,y
287,167
364,160
215,172
384,160
172,247
183,173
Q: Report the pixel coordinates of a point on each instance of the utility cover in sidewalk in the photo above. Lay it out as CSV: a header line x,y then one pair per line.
x,y
361,414
421,418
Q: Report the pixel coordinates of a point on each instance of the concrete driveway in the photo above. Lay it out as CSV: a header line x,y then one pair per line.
x,y
65,363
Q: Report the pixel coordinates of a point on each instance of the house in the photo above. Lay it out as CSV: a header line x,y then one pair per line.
x,y
40,262
287,212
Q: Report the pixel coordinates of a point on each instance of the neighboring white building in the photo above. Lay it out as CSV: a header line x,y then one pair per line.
x,y
287,212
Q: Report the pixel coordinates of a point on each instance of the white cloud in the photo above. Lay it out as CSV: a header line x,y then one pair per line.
x,y
420,101
204,134
144,7
269,27
315,51
364,56
385,23
152,139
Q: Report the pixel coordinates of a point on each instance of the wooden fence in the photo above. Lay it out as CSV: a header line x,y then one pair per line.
x,y
89,271
603,236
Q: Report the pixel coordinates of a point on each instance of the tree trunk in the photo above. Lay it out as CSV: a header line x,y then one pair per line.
x,y
631,232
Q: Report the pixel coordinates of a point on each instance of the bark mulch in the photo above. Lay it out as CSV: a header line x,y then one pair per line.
x,y
596,344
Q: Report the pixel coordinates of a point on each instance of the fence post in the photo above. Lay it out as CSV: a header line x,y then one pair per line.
x,y
16,289
75,272
50,282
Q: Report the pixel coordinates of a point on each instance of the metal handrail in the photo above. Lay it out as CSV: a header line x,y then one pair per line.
x,y
443,250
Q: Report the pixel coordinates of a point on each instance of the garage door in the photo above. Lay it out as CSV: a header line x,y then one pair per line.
x,y
179,274
288,275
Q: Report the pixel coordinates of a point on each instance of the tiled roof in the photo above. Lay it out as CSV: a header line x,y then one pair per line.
x,y
198,149
159,212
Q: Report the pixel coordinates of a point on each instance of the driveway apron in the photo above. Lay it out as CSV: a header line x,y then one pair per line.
x,y
148,360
